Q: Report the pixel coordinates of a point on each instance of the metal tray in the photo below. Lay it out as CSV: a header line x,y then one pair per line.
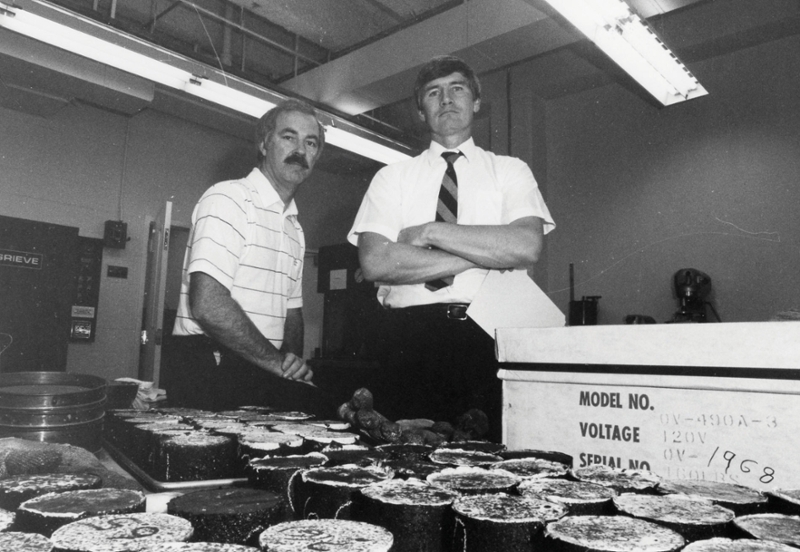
x,y
156,486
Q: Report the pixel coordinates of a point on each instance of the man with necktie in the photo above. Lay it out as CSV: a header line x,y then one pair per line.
x,y
428,231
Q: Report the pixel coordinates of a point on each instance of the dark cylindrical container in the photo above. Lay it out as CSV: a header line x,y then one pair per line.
x,y
774,527
228,515
121,532
19,488
138,446
418,515
328,493
583,312
502,523
326,534
473,481
279,474
784,501
737,545
46,513
604,533
150,460
194,456
114,425
742,500
579,497
691,517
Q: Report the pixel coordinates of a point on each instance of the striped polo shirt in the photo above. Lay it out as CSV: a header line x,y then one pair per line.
x,y
242,237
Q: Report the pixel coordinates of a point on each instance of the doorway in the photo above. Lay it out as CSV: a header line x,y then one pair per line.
x,y
179,238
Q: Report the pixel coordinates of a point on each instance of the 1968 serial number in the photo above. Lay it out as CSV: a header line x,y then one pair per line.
x,y
742,464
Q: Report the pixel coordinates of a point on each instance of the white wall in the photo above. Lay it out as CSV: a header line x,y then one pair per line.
x,y
713,184
85,165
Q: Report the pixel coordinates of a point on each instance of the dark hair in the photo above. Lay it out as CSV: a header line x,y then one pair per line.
x,y
266,125
441,66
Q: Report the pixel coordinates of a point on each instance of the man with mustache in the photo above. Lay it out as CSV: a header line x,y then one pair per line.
x,y
430,241
238,335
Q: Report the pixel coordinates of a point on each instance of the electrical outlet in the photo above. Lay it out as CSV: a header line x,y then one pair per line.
x,y
117,271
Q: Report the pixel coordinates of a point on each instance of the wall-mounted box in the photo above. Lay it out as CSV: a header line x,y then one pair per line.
x,y
115,234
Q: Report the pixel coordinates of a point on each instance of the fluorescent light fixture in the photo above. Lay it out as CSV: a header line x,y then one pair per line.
x,y
78,42
363,146
231,95
628,40
227,96
256,107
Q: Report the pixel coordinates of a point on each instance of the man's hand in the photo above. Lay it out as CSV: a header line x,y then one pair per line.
x,y
414,235
296,368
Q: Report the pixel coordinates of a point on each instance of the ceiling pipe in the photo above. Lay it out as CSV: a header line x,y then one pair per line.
x,y
248,32
227,37
152,24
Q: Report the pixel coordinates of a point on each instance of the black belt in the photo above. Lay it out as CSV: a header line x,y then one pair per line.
x,y
448,311
196,340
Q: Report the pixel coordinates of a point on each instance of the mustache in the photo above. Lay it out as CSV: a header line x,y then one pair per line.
x,y
298,159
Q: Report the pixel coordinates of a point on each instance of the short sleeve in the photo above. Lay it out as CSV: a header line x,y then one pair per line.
x,y
295,300
380,210
220,226
522,197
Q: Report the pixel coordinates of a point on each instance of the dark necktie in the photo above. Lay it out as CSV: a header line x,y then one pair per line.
x,y
447,207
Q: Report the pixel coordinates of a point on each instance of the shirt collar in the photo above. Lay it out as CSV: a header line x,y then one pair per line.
x,y
434,152
268,194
